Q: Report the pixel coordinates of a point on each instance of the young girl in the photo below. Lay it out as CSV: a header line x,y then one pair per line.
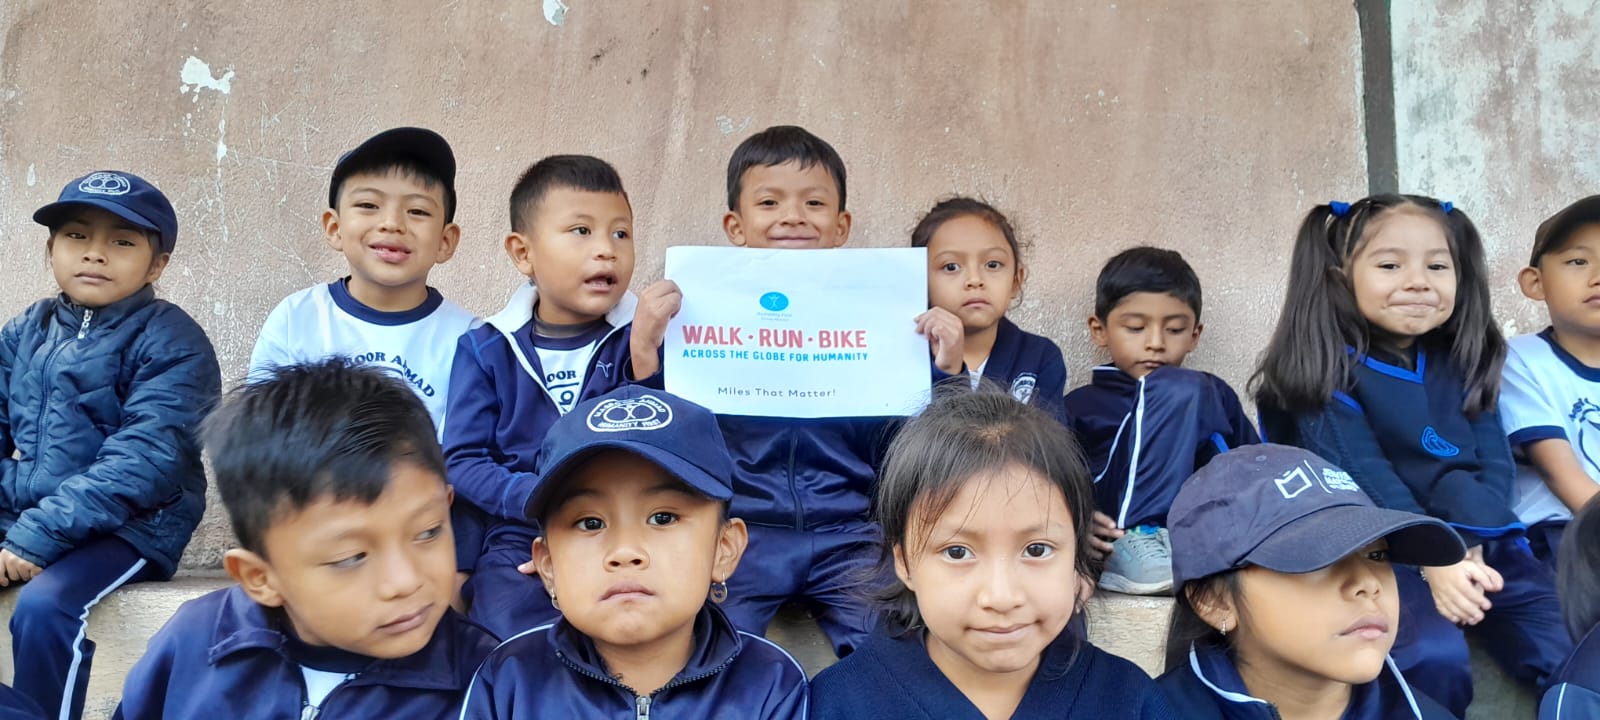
x,y
984,504
975,272
1286,600
1575,690
1386,360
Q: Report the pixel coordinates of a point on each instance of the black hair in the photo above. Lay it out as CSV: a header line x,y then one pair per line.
x,y
960,435
957,206
1187,628
573,172
1309,356
1578,570
406,166
1145,269
333,429
781,144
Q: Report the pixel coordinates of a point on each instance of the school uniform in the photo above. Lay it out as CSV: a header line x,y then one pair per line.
x,y
555,671
1403,438
1143,437
1574,693
325,321
1546,393
100,407
507,387
1208,687
891,678
224,656
1029,366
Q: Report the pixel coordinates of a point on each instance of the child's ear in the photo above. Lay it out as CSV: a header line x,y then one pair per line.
x,y
733,227
1085,591
1016,285
1532,283
330,229
731,542
902,569
842,229
448,241
1097,332
1216,609
158,265
545,564
254,574
520,249
1194,336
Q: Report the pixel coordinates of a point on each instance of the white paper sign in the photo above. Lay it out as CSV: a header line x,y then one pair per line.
x,y
799,333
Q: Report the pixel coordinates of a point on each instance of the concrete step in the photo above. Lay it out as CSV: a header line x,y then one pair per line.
x,y
1133,627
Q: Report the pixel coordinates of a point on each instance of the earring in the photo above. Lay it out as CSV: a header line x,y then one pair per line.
x,y
553,602
1225,628
719,591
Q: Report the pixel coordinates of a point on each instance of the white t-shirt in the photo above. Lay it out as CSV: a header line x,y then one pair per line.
x,y
319,685
1547,393
324,321
565,362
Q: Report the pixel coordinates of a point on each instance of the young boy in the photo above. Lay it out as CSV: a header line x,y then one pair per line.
x,y
391,213
334,482
803,486
101,388
561,339
1550,394
1146,423
633,502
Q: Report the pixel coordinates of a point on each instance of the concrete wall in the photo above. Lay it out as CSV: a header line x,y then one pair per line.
x,y
1495,109
1206,126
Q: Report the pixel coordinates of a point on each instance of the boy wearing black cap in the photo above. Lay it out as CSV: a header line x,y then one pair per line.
x,y
636,549
1550,394
391,213
101,388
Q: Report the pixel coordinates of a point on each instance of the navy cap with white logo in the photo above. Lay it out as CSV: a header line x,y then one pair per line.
x,y
123,194
1285,509
680,436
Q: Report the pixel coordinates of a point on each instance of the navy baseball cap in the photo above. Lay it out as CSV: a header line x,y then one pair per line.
x,y
1285,509
422,146
1553,232
123,194
680,436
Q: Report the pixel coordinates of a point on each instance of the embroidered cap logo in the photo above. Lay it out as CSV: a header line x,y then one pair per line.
x,y
105,183
646,412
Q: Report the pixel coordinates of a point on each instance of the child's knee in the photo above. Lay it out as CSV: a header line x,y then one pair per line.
x,y
41,602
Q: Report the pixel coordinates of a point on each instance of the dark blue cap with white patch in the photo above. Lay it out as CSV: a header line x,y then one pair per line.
x,y
123,194
419,145
1285,509
681,437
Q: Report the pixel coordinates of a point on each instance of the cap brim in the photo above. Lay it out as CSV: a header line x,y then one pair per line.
x,y
425,145
53,215
690,474
1560,225
1326,536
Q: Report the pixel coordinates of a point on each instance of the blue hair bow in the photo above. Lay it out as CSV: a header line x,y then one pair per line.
x,y
1447,206
1340,209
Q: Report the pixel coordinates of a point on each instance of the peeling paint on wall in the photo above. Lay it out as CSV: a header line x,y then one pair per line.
x,y
196,74
555,12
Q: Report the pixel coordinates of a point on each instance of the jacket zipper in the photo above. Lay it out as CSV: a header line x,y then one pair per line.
x,y
641,703
44,405
794,489
641,708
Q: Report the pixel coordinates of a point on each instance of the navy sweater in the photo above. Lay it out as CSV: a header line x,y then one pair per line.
x,y
1030,366
891,678
500,409
554,671
1401,434
1574,692
1208,687
221,656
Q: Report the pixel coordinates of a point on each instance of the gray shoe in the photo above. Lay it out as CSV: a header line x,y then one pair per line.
x,y
1140,563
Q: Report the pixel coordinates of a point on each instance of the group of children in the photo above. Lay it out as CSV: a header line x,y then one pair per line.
x,y
443,516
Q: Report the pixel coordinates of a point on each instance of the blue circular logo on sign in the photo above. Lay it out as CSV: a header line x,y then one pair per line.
x,y
775,301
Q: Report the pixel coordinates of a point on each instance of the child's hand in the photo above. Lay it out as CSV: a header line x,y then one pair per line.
x,y
1458,591
16,569
1496,583
946,338
657,305
1102,534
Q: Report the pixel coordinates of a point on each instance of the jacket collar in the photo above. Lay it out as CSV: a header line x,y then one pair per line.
x,y
72,313
519,310
716,643
243,625
1386,697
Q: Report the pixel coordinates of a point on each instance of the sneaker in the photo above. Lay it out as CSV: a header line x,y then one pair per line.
x,y
1140,563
